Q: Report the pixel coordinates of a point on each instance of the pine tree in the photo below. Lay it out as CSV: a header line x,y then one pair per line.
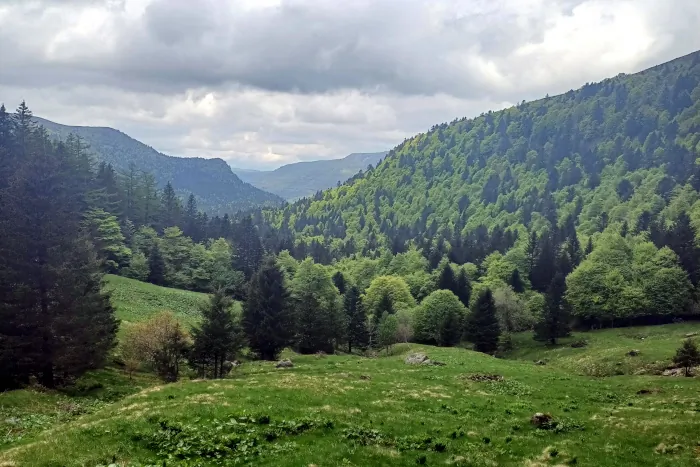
x,y
156,266
108,239
357,334
589,247
339,282
249,249
217,339
446,281
554,321
681,239
464,288
545,264
516,282
482,326
191,222
56,322
687,356
268,319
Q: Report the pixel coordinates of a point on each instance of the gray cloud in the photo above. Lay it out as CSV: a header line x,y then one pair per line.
x,y
263,82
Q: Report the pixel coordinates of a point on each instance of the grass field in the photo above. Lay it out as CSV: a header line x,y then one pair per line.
x,y
348,410
135,301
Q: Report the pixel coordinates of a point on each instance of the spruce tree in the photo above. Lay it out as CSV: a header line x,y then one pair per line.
x,y
554,321
156,266
357,334
483,329
464,288
170,206
687,356
589,247
56,322
249,249
516,282
681,239
268,319
446,281
191,226
339,282
217,339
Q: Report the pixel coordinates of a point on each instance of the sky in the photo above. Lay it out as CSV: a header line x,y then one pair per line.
x,y
262,83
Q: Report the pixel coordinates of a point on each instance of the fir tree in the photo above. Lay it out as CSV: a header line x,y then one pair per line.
x,y
249,249
156,266
687,356
339,282
554,321
217,339
589,247
482,326
681,239
170,205
267,316
446,281
191,220
357,334
464,288
516,282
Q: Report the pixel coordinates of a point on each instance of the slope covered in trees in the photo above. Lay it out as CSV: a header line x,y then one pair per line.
x,y
217,189
303,179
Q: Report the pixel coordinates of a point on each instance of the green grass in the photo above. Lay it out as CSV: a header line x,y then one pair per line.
x,y
348,410
136,301
606,352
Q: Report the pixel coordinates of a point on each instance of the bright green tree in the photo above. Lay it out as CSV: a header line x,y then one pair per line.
x,y
439,319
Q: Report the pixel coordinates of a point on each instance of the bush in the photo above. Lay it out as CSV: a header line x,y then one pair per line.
x,y
439,319
513,313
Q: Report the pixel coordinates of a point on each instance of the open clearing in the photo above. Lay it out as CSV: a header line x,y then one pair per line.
x,y
349,410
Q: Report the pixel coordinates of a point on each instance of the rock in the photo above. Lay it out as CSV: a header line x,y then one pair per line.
x,y
633,353
321,354
365,377
540,363
286,363
579,344
691,334
480,378
541,420
416,359
434,363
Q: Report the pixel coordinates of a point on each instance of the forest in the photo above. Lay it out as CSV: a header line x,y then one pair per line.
x,y
577,211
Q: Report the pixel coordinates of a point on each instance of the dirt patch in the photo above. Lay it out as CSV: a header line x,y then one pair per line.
x,y
482,378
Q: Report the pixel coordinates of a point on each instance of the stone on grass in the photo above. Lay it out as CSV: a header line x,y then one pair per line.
x,y
633,353
540,363
416,359
365,377
286,363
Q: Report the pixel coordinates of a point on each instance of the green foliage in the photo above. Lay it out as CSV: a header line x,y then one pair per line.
x,y
439,319
357,334
687,356
482,327
108,238
382,288
387,330
138,267
554,321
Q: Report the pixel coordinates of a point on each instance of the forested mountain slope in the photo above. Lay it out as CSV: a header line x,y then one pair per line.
x,y
622,150
216,187
303,179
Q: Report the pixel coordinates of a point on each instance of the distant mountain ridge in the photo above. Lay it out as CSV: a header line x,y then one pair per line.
x,y
304,179
217,189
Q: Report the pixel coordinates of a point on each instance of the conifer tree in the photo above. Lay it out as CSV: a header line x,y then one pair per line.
x,y
156,266
249,250
554,321
482,328
464,288
589,247
108,239
357,334
681,239
268,319
687,356
516,282
217,339
170,205
446,281
339,281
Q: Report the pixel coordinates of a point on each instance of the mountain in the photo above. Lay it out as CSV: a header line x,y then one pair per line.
x,y
302,179
619,151
217,189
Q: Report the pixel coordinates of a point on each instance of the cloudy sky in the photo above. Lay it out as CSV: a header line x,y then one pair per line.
x,y
261,83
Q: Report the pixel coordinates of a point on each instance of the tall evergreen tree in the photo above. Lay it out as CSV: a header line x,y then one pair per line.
x,y
464,288
681,239
516,282
191,227
589,247
249,250
482,327
545,264
268,319
217,339
156,266
357,334
339,281
170,205
55,320
447,281
554,321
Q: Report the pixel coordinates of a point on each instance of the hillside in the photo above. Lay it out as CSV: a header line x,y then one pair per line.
x,y
603,154
304,179
217,188
348,410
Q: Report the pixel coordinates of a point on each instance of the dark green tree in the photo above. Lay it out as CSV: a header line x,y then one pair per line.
x,y
156,266
516,282
556,315
482,325
589,247
248,247
687,356
357,334
340,283
447,281
268,319
464,288
170,206
681,239
217,339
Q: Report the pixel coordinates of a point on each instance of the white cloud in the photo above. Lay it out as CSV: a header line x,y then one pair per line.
x,y
261,83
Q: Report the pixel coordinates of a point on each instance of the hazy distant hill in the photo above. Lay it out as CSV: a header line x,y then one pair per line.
x,y
217,188
294,181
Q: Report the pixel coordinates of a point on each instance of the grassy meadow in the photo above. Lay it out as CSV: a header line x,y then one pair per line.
x,y
608,409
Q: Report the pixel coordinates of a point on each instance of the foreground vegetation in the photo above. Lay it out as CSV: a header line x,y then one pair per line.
x,y
349,410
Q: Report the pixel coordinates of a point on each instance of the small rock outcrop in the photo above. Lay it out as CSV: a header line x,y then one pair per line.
x,y
286,363
421,359
540,363
541,420
365,377
633,353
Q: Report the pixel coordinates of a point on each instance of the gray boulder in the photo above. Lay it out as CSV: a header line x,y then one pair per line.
x,y
286,363
416,359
